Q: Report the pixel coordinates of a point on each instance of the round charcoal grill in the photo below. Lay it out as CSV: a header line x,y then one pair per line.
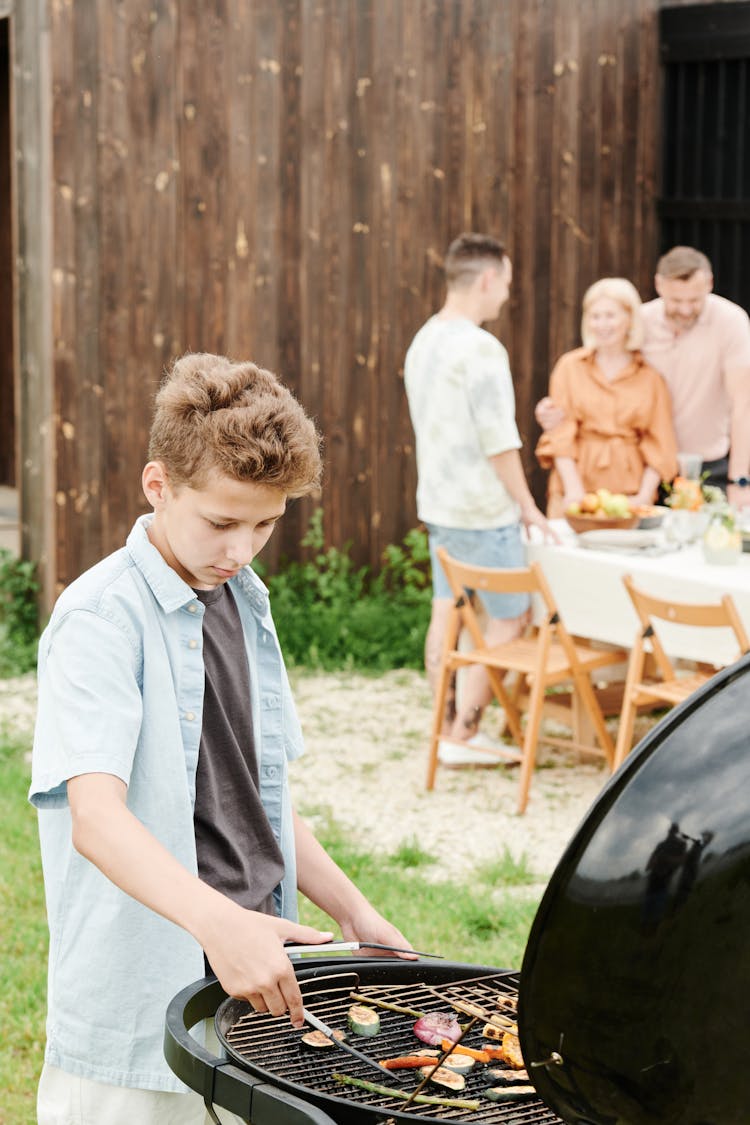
x,y
269,1049
635,984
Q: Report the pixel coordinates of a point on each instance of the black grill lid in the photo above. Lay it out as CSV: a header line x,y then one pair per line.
x,y
637,968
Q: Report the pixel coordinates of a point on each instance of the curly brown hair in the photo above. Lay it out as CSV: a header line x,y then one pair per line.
x,y
212,414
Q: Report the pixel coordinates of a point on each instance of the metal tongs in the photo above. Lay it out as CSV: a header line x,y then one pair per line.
x,y
318,1024
348,946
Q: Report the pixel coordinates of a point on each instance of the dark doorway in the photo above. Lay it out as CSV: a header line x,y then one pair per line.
x,y
705,175
7,390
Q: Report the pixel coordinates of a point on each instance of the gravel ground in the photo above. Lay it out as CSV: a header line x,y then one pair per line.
x,y
365,766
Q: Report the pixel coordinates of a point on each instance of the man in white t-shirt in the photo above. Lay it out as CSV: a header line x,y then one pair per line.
x,y
472,492
701,345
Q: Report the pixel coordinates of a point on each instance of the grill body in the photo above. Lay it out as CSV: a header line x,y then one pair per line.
x,y
637,967
264,1052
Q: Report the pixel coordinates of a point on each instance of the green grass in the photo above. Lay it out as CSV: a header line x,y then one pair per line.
x,y
23,940
484,920
475,921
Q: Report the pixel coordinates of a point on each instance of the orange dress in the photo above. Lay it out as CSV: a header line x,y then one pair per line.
x,y
612,428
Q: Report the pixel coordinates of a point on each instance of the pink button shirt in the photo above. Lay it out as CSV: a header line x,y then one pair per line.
x,y
693,364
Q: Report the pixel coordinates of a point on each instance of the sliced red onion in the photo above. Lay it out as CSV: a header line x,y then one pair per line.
x,y
435,1026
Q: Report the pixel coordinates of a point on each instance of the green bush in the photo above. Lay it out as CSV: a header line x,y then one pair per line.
x,y
330,613
19,623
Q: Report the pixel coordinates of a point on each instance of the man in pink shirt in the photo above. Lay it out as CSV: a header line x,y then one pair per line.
x,y
701,345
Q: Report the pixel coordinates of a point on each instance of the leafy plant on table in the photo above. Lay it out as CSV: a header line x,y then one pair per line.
x,y
687,494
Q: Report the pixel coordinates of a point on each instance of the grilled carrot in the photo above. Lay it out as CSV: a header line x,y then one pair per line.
x,y
459,1049
404,1062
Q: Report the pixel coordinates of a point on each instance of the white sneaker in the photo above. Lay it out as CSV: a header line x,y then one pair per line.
x,y
487,741
457,755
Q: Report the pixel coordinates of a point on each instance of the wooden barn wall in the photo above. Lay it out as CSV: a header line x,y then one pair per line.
x,y
278,180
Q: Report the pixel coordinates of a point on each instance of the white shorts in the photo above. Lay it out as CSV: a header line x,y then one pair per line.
x,y
67,1099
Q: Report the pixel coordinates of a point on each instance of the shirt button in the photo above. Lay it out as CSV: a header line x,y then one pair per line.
x,y
190,715
192,608
192,644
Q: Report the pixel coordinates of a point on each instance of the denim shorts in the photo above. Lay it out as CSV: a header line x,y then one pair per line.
x,y
495,547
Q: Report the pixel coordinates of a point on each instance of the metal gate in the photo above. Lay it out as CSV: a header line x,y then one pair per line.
x,y
705,172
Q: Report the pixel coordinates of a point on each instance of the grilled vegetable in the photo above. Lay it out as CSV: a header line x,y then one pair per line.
x,y
497,1028
406,1062
459,1063
506,1003
442,1076
495,1053
478,1056
512,1051
384,1004
433,1027
508,1077
392,1092
508,1093
362,1020
318,1040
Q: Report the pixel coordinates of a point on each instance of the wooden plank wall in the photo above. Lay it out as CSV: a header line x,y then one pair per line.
x,y
278,181
7,381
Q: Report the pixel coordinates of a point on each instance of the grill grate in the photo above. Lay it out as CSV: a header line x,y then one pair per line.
x,y
271,1046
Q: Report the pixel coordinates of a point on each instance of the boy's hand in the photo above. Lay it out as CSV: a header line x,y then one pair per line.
x,y
368,925
246,951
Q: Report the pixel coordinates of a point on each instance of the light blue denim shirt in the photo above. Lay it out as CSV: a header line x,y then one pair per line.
x,y
121,692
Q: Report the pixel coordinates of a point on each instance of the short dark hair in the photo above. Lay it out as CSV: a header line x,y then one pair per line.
x,y
681,262
471,252
215,415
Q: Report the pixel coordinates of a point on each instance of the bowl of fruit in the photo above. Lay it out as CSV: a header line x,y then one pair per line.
x,y
602,509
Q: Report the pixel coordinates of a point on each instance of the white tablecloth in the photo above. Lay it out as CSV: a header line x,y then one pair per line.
x,y
593,602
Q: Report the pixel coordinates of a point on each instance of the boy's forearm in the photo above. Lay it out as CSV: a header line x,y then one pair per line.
x,y
245,948
321,880
107,833
324,883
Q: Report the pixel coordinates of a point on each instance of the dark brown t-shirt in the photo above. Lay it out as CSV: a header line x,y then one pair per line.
x,y
237,850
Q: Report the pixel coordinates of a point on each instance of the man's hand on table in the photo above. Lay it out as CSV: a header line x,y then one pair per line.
x,y
532,517
738,496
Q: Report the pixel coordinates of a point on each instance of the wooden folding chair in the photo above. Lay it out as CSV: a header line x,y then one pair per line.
x,y
545,656
659,682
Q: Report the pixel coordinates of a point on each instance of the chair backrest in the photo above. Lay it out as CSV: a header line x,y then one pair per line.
x,y
721,615
520,580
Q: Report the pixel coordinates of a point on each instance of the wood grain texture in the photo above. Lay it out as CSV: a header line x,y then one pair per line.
x,y
279,181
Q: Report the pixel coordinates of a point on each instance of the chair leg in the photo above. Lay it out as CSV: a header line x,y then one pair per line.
x,y
629,703
587,694
506,701
531,738
624,742
437,723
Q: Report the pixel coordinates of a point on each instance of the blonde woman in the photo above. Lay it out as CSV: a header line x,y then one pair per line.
x,y
616,430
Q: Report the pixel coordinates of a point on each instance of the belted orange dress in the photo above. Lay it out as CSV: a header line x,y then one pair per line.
x,y
613,428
